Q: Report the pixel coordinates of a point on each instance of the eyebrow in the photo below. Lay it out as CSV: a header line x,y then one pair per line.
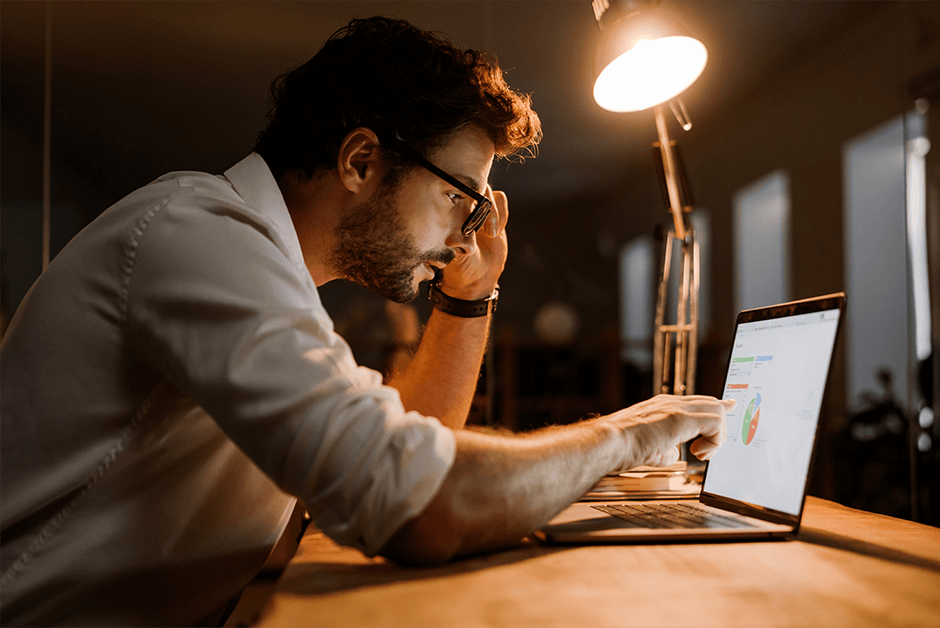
x,y
470,182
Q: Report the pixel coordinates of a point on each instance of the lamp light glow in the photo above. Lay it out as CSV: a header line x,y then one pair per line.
x,y
643,58
650,73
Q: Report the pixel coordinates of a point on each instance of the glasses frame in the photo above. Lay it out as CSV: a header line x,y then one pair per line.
x,y
482,207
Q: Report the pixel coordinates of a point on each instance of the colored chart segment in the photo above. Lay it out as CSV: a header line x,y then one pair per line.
x,y
751,417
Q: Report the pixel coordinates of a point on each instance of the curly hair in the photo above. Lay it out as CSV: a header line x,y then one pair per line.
x,y
399,81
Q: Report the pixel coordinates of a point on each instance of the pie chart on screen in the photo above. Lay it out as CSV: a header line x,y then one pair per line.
x,y
751,416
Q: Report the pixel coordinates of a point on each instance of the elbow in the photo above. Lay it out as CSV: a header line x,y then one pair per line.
x,y
423,541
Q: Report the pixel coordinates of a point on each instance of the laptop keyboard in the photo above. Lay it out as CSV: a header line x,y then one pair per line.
x,y
672,515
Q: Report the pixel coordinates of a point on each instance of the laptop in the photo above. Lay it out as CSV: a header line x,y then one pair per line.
x,y
754,486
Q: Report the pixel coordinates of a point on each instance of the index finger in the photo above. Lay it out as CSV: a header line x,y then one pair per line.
x,y
701,398
705,403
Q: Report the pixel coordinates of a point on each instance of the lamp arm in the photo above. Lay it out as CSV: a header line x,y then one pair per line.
x,y
681,338
669,169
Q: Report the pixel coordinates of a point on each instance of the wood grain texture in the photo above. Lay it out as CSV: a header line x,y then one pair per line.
x,y
846,567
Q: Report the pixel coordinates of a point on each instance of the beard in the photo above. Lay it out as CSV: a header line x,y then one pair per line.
x,y
374,249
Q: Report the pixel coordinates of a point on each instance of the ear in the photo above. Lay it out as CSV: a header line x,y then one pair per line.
x,y
359,159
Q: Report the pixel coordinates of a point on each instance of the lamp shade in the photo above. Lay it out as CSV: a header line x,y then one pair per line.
x,y
644,60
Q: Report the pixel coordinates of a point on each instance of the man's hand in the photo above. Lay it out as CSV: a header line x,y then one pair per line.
x,y
657,426
474,276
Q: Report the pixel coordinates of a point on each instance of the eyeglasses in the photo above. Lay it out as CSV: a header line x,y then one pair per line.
x,y
482,206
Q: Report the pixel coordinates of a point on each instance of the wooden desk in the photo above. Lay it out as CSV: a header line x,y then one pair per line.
x,y
846,568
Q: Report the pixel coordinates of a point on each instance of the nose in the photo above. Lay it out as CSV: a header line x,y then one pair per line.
x,y
460,243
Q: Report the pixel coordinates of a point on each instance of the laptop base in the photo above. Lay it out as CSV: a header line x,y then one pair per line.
x,y
583,523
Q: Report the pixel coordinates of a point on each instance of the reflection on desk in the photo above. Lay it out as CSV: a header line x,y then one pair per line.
x,y
845,568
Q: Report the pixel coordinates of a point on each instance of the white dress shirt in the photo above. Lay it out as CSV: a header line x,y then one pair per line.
x,y
168,384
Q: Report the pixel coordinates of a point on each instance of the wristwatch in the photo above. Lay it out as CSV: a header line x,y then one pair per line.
x,y
461,307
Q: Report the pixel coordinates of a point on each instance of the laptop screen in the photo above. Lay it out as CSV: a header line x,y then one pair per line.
x,y
777,373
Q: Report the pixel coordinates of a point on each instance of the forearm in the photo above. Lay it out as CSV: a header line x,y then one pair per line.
x,y
502,488
441,378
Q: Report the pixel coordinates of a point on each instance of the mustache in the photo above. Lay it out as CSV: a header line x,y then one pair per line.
x,y
442,256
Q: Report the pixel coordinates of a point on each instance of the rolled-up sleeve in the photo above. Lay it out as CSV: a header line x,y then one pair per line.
x,y
215,301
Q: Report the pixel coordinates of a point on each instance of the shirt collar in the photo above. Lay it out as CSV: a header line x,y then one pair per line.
x,y
256,185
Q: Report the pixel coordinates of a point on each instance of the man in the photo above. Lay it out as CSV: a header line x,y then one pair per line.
x,y
172,380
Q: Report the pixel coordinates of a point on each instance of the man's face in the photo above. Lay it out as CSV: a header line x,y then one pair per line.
x,y
375,249
397,238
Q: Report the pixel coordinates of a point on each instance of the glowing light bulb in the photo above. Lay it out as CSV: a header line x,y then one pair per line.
x,y
650,73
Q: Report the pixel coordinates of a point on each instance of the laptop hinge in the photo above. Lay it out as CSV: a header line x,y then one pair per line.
x,y
749,510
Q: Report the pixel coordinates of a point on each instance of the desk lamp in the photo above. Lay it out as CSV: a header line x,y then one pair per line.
x,y
645,61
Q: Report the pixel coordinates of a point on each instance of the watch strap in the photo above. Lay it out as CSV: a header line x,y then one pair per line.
x,y
461,307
